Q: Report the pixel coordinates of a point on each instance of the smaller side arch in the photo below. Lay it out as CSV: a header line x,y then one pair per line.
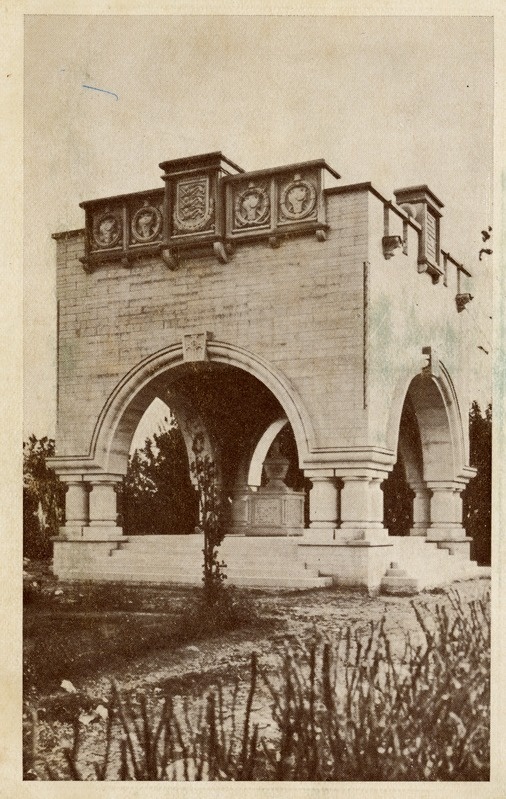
x,y
435,403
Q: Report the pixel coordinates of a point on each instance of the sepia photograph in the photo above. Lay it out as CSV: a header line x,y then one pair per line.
x,y
258,376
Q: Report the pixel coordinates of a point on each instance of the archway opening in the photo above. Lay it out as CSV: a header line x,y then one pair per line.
x,y
429,452
223,405
407,473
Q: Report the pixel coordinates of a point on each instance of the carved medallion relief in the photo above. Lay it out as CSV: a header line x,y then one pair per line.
x,y
107,230
297,201
252,206
146,224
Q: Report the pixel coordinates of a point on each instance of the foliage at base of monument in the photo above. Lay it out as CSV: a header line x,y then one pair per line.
x,y
157,496
211,524
370,705
477,496
43,498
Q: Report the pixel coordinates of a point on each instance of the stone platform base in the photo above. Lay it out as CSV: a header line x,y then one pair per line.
x,y
265,562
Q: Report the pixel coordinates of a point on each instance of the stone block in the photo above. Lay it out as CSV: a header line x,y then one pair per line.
x,y
360,567
397,582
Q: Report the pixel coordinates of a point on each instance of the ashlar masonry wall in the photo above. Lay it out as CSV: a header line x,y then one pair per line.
x,y
299,306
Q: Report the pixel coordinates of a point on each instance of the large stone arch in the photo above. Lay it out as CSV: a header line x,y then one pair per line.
x,y
127,403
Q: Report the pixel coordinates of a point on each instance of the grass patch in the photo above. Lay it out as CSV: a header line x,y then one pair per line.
x,y
74,634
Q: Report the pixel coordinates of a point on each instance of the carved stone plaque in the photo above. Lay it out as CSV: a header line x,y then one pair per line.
x,y
267,511
294,510
195,346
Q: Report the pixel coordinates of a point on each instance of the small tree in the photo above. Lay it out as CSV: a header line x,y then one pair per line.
x,y
210,520
43,498
477,496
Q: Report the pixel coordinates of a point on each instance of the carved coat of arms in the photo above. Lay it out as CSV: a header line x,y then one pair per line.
x,y
194,206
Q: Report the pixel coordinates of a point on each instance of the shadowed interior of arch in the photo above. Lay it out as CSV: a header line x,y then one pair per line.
x,y
232,411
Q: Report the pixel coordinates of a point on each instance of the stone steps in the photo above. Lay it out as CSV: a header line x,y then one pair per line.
x,y
250,561
428,564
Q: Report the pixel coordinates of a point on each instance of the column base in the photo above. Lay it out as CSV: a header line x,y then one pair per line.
x,y
418,531
319,535
69,533
446,532
356,564
460,547
365,535
79,558
89,533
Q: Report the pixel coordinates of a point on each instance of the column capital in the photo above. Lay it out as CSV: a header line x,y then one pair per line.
x,y
364,476
442,485
71,479
103,478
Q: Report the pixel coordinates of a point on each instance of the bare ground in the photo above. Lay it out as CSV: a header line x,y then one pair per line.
x,y
191,669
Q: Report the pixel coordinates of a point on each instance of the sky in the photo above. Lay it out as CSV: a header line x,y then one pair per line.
x,y
397,101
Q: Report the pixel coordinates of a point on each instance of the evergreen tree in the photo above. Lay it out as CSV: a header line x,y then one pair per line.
x,y
157,496
478,494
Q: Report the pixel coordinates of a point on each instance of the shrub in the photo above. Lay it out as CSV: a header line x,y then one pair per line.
x,y
369,706
43,498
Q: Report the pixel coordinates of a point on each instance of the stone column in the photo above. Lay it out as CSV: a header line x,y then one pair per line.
x,y
240,512
323,506
103,507
446,517
323,501
358,552
421,509
362,508
76,506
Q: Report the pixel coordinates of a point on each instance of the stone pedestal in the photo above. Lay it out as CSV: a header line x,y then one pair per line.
x,y
77,559
397,582
276,512
355,564
272,510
